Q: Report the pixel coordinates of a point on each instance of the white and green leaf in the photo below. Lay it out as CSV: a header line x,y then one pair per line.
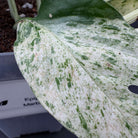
x,y
127,8
124,6
79,63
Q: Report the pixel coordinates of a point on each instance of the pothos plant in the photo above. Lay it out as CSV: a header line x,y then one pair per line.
x,y
79,57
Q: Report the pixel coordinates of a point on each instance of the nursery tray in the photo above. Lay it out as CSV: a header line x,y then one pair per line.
x,y
20,111
8,67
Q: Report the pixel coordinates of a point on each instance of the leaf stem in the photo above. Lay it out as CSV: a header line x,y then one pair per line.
x,y
38,2
13,10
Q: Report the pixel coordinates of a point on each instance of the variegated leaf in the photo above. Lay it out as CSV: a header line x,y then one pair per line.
x,y
124,6
79,63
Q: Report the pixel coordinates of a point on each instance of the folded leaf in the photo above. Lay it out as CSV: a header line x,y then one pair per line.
x,y
79,57
124,6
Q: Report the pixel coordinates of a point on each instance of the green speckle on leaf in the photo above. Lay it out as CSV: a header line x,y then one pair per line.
x,y
83,57
37,81
69,37
111,60
109,68
81,63
111,53
95,126
97,64
123,98
82,119
66,62
89,98
104,55
102,112
37,28
128,37
88,107
51,106
52,50
106,41
57,82
113,76
32,58
102,21
128,126
73,24
69,84
111,27
35,41
27,62
27,30
69,81
136,75
98,80
69,124
127,25
134,102
51,61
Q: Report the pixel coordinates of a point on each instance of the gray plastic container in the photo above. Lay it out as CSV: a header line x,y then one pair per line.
x,y
29,124
8,67
20,112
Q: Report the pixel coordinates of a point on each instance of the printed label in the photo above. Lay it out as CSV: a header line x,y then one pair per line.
x,y
30,101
